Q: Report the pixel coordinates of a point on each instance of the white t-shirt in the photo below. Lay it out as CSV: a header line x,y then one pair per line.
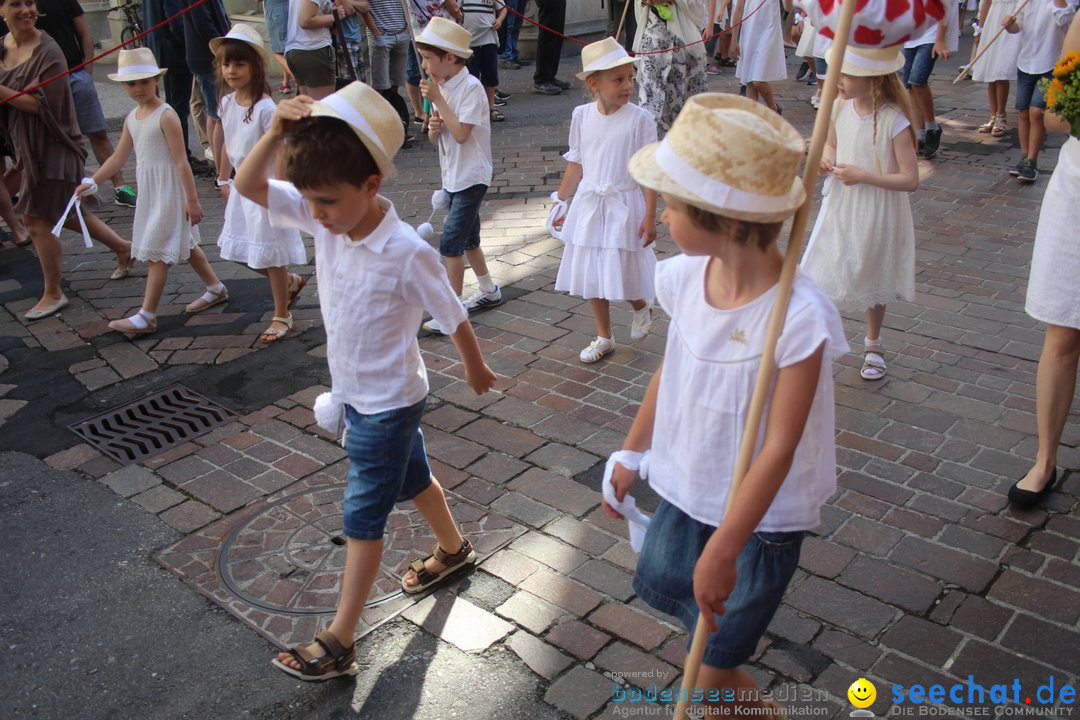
x,y
468,163
952,36
372,295
710,365
479,18
296,37
1042,33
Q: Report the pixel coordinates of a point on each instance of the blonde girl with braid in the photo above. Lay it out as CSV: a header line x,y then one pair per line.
x,y
862,249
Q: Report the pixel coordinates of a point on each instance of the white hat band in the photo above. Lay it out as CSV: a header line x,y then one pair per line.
x,y
138,69
341,106
713,191
865,63
609,58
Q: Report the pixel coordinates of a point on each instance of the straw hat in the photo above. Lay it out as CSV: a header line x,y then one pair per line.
x,y
242,33
603,55
371,117
446,35
728,155
868,62
137,64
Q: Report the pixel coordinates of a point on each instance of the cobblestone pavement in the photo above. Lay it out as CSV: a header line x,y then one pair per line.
x,y
919,573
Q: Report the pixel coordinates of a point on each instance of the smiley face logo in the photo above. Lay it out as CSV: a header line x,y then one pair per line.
x,y
862,693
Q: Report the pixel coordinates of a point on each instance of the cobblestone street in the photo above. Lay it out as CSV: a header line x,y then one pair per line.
x,y
919,573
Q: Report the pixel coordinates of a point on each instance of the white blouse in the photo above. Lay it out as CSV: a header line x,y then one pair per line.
x,y
710,366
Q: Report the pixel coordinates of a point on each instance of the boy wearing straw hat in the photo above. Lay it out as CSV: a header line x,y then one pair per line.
x,y
727,171
461,126
376,278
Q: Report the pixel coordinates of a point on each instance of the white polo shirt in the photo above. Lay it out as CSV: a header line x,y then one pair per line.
x,y
1042,33
468,163
372,295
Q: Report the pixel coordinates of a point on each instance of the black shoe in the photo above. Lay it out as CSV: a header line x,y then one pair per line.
x,y
1027,498
804,70
920,147
547,89
510,64
1029,173
933,143
499,102
500,95
812,80
561,83
202,168
1015,169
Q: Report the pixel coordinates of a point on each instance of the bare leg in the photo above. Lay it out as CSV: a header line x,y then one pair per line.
x,y
103,150
1003,96
747,695
415,100
156,277
279,288
286,74
455,270
762,91
432,505
7,213
924,104
751,91
477,261
875,317
490,96
1023,129
1055,383
601,310
201,266
49,252
1036,134
104,235
992,92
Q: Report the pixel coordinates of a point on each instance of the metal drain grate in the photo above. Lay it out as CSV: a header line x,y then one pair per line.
x,y
153,424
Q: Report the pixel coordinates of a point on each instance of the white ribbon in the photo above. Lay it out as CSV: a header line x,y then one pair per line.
x,y
350,115
866,63
557,215
137,70
607,213
76,203
637,521
713,191
602,63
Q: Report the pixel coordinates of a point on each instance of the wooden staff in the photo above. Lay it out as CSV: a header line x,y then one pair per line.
x,y
776,321
622,20
967,68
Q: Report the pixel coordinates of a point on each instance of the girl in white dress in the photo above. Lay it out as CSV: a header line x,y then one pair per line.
x,y
997,66
247,236
610,227
758,45
168,211
862,249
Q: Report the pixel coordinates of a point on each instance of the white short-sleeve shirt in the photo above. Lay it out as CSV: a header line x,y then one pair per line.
x,y
296,37
372,294
1042,33
468,163
710,366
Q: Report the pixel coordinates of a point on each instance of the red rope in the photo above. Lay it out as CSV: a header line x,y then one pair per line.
x,y
706,39
102,54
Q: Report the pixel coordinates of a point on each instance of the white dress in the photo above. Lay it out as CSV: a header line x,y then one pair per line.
x,y
761,45
806,40
603,257
161,232
862,249
247,235
999,60
1055,259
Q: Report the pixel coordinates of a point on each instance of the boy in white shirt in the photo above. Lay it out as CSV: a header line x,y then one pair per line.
x,y
461,127
376,277
1042,25
939,40
483,22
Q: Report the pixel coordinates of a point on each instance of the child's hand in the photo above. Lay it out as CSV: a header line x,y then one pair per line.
x,y
647,232
289,111
226,190
849,174
733,51
826,165
430,90
480,379
435,124
1009,21
622,480
714,580
940,51
194,212
497,24
84,190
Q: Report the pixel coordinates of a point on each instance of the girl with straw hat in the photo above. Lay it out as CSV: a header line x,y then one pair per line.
x,y
610,227
862,250
728,175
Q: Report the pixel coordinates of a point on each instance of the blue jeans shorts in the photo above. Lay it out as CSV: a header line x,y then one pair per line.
x,y
918,64
276,13
484,64
412,69
665,580
87,105
387,464
462,229
1029,92
208,86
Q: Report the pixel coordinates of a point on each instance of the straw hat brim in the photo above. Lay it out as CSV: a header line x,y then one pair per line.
x,y
385,163
609,66
217,42
646,171
117,77
852,70
435,41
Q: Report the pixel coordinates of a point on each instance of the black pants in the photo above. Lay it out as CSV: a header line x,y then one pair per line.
x,y
552,14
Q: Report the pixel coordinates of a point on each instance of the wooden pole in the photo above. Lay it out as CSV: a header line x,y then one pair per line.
x,y
622,20
776,320
967,68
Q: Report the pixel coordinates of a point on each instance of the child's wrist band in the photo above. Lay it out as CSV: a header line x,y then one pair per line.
x,y
224,183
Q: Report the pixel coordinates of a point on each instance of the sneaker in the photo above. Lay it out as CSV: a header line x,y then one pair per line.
x,y
804,70
933,143
815,101
597,349
433,326
500,95
1029,173
1015,170
643,318
499,102
920,148
125,196
510,65
811,80
481,299
712,69
561,83
742,90
547,89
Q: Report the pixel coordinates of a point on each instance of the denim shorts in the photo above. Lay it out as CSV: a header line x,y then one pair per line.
x,y
918,64
462,229
87,105
412,69
276,14
1029,92
387,464
484,64
665,580
208,87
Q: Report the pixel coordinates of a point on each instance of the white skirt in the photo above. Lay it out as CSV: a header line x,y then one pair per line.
x,y
761,41
999,61
607,273
806,41
248,237
1055,258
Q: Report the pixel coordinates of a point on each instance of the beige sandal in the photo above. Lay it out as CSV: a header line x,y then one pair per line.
x,y
272,335
207,300
873,367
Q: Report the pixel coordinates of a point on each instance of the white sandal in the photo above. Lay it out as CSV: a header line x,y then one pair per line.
x,y
271,335
873,367
597,349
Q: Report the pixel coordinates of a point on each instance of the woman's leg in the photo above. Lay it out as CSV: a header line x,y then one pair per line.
x,y
1055,383
104,235
20,235
47,247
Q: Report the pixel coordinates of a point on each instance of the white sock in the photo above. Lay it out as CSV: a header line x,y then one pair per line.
x,y
486,283
213,291
603,340
142,319
932,125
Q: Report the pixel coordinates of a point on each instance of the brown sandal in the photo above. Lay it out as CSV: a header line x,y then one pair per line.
x,y
465,556
337,661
